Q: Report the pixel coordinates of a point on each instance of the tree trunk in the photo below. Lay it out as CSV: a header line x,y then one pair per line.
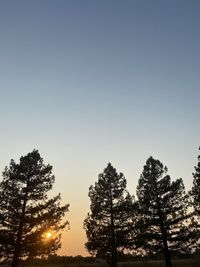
x,y
16,255
17,249
113,241
15,261
166,251
114,259
167,254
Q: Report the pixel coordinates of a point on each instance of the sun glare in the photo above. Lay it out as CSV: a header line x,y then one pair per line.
x,y
48,235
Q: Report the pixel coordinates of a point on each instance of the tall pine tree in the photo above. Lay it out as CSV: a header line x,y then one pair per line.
x,y
196,187
163,206
195,194
108,224
26,212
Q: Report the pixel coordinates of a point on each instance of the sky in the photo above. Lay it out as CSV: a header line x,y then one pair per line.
x,y
91,82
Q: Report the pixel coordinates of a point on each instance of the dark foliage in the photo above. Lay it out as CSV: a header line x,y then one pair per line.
x,y
26,212
163,205
108,225
195,196
196,187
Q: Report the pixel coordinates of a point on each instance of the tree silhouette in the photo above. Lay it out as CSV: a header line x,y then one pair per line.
x,y
163,205
108,225
196,187
26,212
195,193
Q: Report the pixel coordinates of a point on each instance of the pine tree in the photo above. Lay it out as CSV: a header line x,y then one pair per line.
x,y
195,194
26,212
163,206
108,225
196,187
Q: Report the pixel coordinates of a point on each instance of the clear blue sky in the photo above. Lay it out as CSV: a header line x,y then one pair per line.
x,y
88,82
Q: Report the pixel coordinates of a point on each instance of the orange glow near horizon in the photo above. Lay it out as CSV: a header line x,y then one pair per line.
x,y
73,243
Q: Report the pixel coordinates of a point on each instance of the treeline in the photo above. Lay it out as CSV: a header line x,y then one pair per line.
x,y
162,220
56,259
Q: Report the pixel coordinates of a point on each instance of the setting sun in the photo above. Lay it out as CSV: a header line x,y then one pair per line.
x,y
48,235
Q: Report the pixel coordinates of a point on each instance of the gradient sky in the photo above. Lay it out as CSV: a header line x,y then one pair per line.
x,y
90,82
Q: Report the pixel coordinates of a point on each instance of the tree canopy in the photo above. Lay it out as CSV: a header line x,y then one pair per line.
x,y
108,224
196,187
27,214
163,206
195,197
